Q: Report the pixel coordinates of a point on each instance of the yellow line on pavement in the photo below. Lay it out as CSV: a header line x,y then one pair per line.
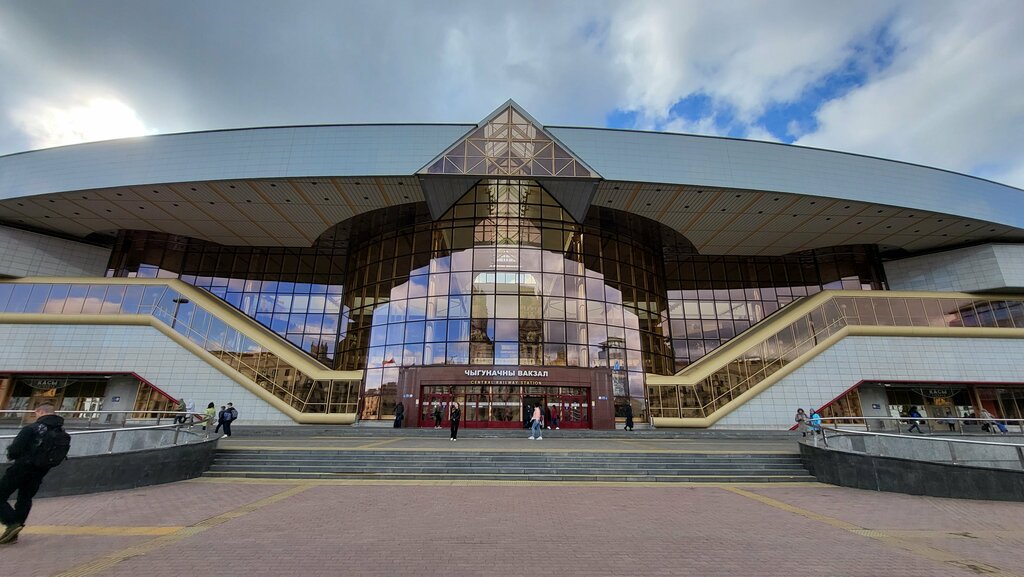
x,y
107,561
96,530
889,538
377,443
795,510
945,534
344,437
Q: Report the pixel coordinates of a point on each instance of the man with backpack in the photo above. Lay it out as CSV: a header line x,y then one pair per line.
x,y
38,448
229,416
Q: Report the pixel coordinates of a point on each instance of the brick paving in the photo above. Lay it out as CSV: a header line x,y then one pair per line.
x,y
519,528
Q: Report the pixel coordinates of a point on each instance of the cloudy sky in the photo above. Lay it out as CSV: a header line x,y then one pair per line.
x,y
932,81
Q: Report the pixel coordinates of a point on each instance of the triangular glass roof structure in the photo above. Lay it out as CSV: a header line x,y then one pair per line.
x,y
509,143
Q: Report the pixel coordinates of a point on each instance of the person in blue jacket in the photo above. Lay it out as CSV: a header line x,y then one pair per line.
x,y
815,421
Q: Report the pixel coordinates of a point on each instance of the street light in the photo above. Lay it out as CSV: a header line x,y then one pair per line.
x,y
177,304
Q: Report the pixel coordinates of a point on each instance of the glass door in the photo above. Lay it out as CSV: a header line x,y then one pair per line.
x,y
429,403
575,411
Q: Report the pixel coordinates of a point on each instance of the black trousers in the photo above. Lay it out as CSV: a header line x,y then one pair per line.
x,y
437,421
455,429
25,479
227,428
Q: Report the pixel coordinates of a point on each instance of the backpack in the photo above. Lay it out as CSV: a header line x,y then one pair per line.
x,y
232,414
52,447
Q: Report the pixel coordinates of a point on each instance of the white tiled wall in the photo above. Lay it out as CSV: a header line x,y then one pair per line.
x,y
854,359
990,267
24,253
142,350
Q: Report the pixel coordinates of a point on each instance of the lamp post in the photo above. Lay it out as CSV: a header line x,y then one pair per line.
x,y
177,304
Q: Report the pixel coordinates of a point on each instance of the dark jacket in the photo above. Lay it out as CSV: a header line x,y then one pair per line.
x,y
456,415
223,416
21,449
399,410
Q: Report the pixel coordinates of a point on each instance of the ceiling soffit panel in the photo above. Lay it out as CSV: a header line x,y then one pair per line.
x,y
509,143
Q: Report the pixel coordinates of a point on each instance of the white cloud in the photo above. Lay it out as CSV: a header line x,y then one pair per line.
x,y
87,120
951,99
742,58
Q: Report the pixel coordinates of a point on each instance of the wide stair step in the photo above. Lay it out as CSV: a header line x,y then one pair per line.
x,y
510,466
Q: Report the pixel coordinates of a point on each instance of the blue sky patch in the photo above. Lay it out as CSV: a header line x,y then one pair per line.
x,y
873,54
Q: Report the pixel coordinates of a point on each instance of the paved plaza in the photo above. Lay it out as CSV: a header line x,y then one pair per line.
x,y
273,528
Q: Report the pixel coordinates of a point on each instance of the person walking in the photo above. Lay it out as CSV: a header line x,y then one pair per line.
x,y
629,417
222,418
815,422
211,412
399,414
453,418
556,416
991,423
914,414
180,417
535,424
547,417
190,408
801,419
437,416
232,415
38,448
948,420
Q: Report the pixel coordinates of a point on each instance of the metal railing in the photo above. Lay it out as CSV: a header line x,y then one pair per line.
x,y
87,418
179,430
1006,454
902,425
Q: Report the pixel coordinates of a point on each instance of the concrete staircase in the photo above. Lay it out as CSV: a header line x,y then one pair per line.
x,y
509,465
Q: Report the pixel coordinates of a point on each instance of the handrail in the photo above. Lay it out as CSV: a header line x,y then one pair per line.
x,y
118,430
92,416
939,420
102,412
178,430
924,438
955,458
746,365
234,343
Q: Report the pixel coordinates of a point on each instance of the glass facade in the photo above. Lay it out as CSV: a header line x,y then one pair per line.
x,y
78,395
509,144
296,292
765,357
714,298
505,277
197,324
941,400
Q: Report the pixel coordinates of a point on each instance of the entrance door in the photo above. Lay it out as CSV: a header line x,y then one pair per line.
x,y
427,405
575,411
